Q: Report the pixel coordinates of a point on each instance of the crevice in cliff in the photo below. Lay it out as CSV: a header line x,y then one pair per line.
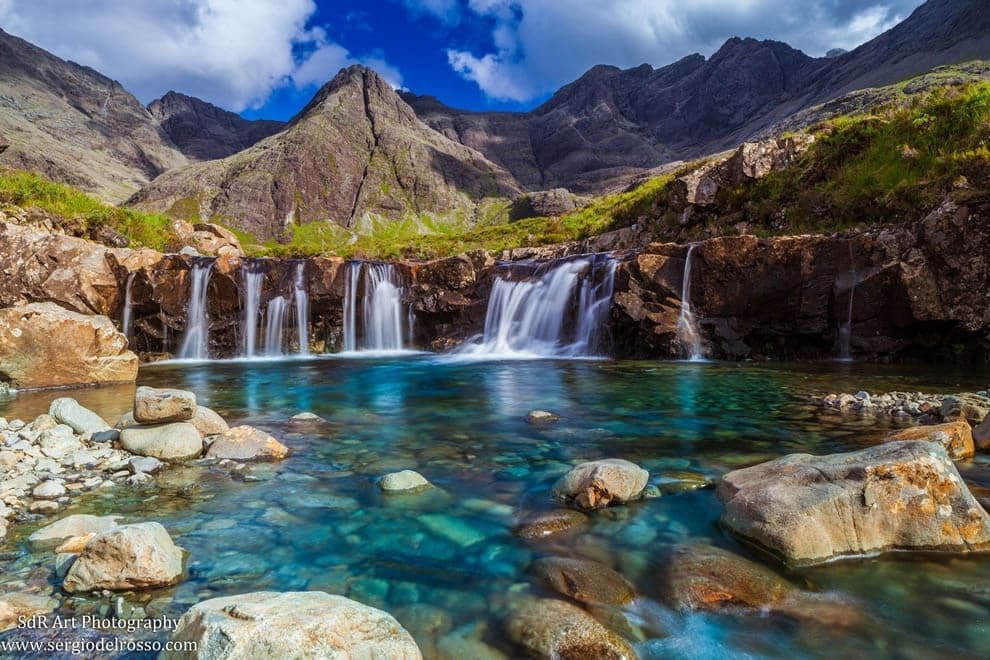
x,y
375,139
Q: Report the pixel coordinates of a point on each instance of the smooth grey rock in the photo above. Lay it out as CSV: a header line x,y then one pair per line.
x,y
144,464
110,435
168,442
403,482
82,420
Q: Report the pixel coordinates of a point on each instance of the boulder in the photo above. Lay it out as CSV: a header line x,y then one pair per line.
x,y
81,420
208,422
178,441
79,524
13,606
403,482
981,434
139,556
43,345
550,523
601,483
968,406
898,495
956,437
309,624
584,580
159,406
246,443
549,628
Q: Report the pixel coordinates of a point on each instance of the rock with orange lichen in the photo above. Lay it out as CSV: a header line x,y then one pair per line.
x,y
246,443
956,437
895,496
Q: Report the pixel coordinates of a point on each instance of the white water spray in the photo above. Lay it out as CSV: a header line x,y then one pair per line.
x,y
128,317
382,315
254,278
302,307
687,327
846,329
275,325
196,341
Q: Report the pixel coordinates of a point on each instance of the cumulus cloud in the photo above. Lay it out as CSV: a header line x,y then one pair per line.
x,y
540,45
231,52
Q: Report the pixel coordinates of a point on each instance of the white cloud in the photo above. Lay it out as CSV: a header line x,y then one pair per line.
x,y
543,44
231,52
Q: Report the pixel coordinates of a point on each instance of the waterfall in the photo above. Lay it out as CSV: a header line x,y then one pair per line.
x,y
846,329
125,322
556,309
274,325
302,307
254,279
196,341
382,314
687,327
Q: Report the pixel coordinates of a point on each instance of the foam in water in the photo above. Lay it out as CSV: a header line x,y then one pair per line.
x,y
687,328
125,323
378,286
254,278
275,325
302,307
557,309
196,341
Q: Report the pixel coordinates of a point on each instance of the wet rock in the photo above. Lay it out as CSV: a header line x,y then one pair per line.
x,y
81,420
309,624
810,509
541,417
602,483
178,441
139,556
16,605
981,434
159,406
584,580
246,443
306,417
550,523
405,481
79,524
43,345
955,437
970,407
208,422
549,628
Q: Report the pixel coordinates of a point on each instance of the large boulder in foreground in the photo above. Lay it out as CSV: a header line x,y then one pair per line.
x,y
899,495
140,556
43,345
179,441
305,624
601,483
246,443
956,437
549,628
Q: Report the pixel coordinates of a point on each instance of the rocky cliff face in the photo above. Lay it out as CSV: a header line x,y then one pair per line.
x,y
75,125
357,148
611,123
202,131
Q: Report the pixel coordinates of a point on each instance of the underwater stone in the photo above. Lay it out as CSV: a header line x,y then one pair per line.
x,y
600,483
403,482
541,417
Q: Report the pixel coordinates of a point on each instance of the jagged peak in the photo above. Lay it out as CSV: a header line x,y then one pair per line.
x,y
356,75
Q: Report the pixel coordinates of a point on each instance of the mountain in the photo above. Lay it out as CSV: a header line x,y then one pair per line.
x,y
611,122
356,149
202,131
76,125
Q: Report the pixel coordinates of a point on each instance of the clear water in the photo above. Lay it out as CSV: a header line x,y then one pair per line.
x,y
448,559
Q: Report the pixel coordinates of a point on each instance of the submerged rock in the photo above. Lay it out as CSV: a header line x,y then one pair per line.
x,y
246,443
550,628
601,483
550,523
541,417
79,524
403,482
810,509
178,441
584,580
309,624
158,406
81,420
16,605
955,437
139,556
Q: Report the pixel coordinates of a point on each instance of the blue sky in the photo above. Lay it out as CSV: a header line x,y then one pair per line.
x,y
266,58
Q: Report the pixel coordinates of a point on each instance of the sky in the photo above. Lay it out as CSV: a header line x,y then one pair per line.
x,y
266,58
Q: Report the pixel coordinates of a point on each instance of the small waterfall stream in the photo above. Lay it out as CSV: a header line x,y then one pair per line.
x,y
302,307
382,317
254,278
556,309
128,316
846,329
275,325
687,327
196,340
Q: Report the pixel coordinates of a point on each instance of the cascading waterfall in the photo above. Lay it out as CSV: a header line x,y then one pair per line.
x,y
302,307
254,279
558,310
846,329
275,325
196,341
128,316
687,327
382,314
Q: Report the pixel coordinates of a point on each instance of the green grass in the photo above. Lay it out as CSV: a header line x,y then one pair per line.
x,y
80,214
